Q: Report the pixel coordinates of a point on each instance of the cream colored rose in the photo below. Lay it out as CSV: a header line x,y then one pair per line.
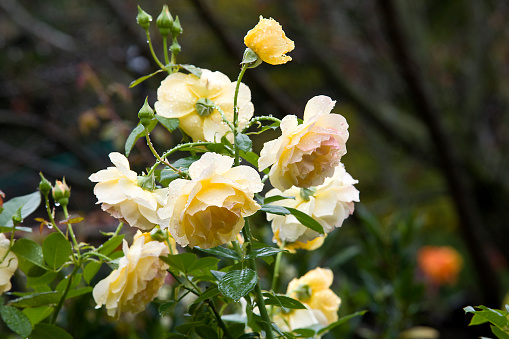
x,y
304,155
313,290
208,210
8,265
118,190
329,204
268,40
184,96
137,280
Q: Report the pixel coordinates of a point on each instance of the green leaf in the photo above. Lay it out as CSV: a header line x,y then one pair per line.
x,y
192,69
166,176
37,299
91,270
218,275
221,252
341,320
251,157
208,263
206,332
264,252
16,320
47,331
133,137
275,209
29,254
244,142
491,315
273,198
44,279
56,250
79,291
208,294
180,261
175,336
63,283
28,204
110,245
165,308
170,124
184,163
37,314
238,283
306,220
143,78
305,332
5,229
501,334
283,301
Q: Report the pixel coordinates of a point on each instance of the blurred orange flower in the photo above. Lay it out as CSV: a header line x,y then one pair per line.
x,y
440,264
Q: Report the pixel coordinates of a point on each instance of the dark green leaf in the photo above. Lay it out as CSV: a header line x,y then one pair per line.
x,y
16,320
28,204
306,220
264,252
218,274
221,252
208,294
37,299
44,279
305,332
185,163
143,78
192,69
187,327
501,334
47,331
170,124
283,301
493,316
252,158
206,332
56,250
37,314
180,261
166,176
237,329
77,292
132,138
238,283
208,263
91,270
273,198
275,209
341,320
29,254
216,148
110,245
251,335
243,142
165,308
175,336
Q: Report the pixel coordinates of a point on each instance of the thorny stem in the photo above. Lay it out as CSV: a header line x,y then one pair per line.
x,y
226,121
258,289
71,232
154,56
236,113
50,215
257,121
154,152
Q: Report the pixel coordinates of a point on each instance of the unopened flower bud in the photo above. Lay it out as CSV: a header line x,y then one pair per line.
x,y
158,235
204,107
176,29
61,192
146,182
164,21
175,47
44,186
143,19
305,193
250,58
17,218
146,114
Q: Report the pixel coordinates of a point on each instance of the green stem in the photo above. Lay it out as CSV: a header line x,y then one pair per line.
x,y
50,215
119,227
236,114
258,289
11,243
66,291
154,152
71,232
165,47
257,120
223,116
275,275
154,56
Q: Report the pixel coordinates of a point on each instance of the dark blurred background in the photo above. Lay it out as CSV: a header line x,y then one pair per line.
x,y
424,85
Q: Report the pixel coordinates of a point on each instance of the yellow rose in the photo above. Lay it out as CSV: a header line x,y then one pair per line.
x,y
310,245
208,210
329,204
313,291
185,96
268,40
137,280
304,155
118,190
8,266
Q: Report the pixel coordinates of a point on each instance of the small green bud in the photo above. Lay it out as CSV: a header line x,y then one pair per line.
x,y
143,19
147,182
164,21
61,193
146,113
158,235
204,107
17,218
305,193
251,59
175,47
44,186
303,292
176,29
